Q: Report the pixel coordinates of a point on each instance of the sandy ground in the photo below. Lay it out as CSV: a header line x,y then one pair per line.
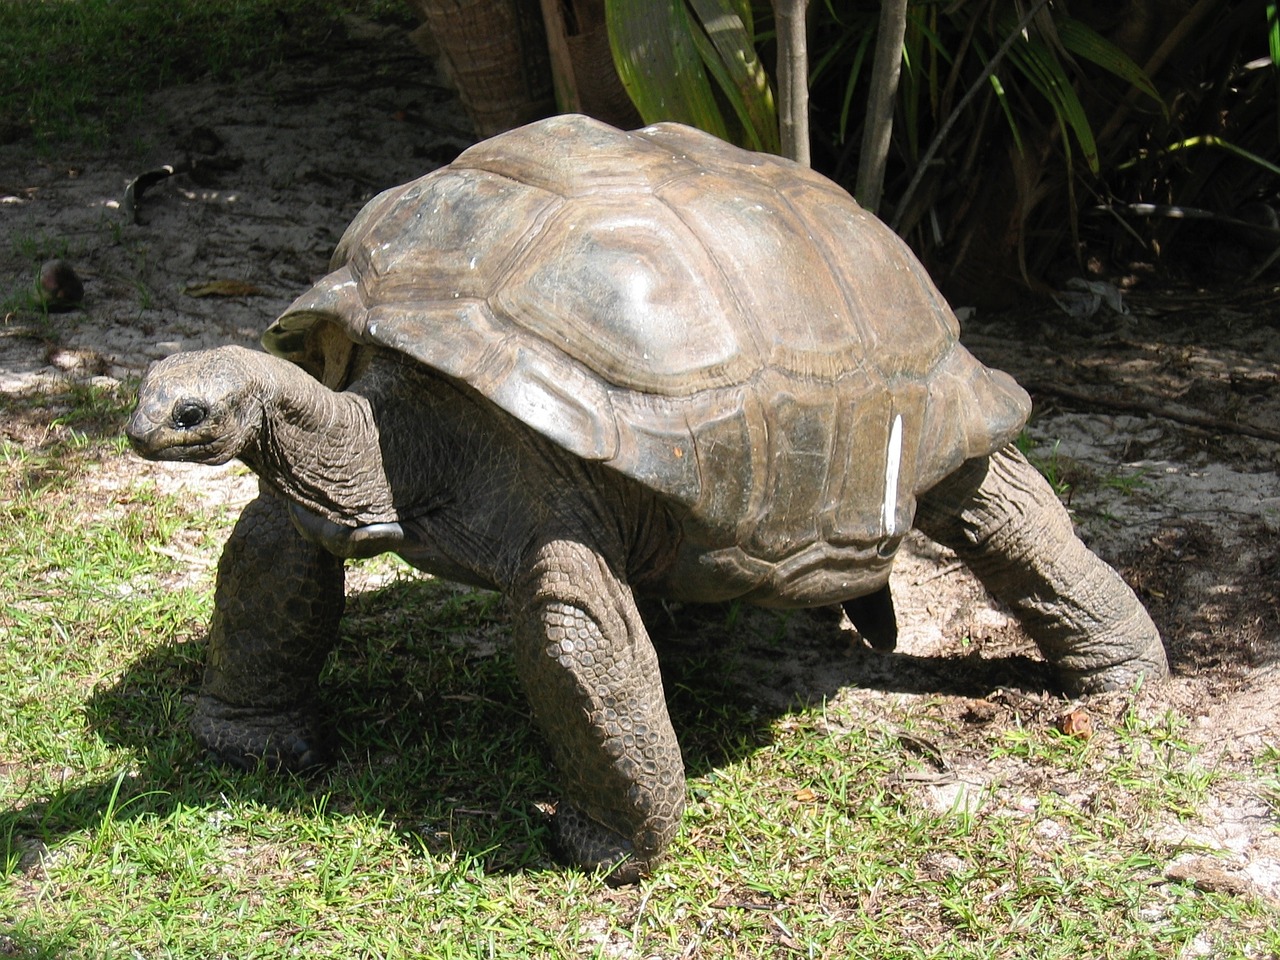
x,y
1164,421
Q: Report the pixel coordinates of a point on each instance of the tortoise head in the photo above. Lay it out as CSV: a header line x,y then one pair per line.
x,y
201,407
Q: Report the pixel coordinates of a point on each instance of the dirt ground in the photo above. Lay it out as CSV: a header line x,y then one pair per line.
x,y
1164,421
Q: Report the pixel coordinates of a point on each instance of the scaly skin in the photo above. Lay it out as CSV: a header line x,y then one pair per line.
x,y
1005,522
596,691
277,605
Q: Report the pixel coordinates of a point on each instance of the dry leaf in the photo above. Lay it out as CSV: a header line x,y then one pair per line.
x,y
1076,724
224,288
805,795
979,711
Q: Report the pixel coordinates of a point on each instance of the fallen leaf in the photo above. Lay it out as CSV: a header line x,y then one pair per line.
x,y
1076,724
805,795
980,711
1210,876
224,288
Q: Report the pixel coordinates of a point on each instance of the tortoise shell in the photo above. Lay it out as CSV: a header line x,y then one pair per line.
x,y
728,328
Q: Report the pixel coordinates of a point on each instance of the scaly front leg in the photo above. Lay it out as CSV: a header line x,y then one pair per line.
x,y
592,679
277,605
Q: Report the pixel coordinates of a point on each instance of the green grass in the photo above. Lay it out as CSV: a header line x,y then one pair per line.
x,y
428,839
1069,477
81,68
1061,471
1269,777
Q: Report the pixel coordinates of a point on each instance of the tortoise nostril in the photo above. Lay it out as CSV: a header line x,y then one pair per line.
x,y
189,413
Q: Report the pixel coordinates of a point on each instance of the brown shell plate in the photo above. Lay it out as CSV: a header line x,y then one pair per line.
x,y
726,327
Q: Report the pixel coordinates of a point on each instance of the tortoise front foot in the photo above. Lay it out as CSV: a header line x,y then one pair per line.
x,y
277,606
593,682
593,846
1123,675
246,737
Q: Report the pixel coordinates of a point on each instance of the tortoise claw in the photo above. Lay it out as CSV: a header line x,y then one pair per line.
x,y
874,618
593,846
245,738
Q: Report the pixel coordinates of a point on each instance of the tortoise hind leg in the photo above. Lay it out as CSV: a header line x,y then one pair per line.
x,y
277,605
1006,523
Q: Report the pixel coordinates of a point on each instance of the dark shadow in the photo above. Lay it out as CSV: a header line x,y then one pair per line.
x,y
17,944
730,672
1227,633
432,731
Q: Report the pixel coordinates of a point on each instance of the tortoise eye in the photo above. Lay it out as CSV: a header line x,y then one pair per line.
x,y
189,413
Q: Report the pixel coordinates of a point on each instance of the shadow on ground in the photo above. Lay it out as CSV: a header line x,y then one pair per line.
x,y
432,731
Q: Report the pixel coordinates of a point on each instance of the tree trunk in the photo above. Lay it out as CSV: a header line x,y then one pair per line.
x,y
495,53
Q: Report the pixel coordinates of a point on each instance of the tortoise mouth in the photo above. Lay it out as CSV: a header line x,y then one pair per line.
x,y
160,441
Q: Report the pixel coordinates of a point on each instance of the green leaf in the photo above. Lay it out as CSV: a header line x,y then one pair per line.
x,y
728,53
1081,40
1273,34
846,105
1209,140
659,63
1003,99
1044,71
840,63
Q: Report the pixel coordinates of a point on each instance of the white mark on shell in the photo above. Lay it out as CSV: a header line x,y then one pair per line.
x,y
893,461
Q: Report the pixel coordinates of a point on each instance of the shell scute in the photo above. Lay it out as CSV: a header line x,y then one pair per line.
x,y
787,307
448,236
622,288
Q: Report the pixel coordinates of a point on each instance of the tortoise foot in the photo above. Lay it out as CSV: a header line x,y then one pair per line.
x,y
246,737
1117,676
593,846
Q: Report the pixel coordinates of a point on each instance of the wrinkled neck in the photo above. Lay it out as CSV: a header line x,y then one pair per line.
x,y
322,448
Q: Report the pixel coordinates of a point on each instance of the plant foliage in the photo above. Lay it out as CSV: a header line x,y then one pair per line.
x,y
695,62
1026,134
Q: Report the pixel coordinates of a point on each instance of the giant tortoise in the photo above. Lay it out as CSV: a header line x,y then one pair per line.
x,y
582,366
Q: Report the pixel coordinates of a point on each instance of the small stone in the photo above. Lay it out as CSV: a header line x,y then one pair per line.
x,y
59,286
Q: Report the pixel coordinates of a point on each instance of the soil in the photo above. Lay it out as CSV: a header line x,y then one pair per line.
x,y
1164,421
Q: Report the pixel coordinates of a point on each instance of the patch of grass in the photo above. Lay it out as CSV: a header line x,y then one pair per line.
x,y
79,68
24,311
1127,483
815,832
1269,776
40,247
56,433
1067,475
1061,471
1146,763
1157,766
